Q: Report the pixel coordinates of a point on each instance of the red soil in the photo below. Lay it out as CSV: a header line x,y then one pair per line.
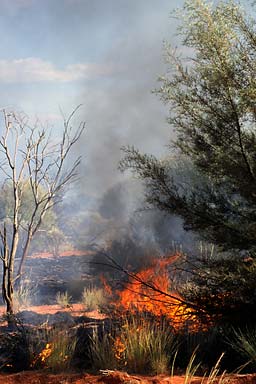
x,y
111,378
75,309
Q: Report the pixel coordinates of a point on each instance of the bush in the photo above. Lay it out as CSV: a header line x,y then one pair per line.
x,y
37,348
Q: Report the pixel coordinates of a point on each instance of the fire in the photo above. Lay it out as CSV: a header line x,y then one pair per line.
x,y
150,290
119,348
43,355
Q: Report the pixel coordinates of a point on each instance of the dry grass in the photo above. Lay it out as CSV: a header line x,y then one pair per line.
x,y
93,298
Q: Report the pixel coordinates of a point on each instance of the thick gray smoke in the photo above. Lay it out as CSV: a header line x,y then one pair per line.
x,y
121,110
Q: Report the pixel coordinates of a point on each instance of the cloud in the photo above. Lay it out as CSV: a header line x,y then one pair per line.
x,y
33,69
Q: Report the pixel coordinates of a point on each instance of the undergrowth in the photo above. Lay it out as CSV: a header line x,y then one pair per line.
x,y
138,345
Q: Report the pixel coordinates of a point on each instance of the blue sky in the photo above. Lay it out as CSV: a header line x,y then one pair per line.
x,y
103,54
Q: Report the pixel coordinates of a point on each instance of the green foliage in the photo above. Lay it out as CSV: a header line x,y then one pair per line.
x,y
225,288
52,349
63,346
37,348
211,95
49,238
101,350
27,205
148,345
139,344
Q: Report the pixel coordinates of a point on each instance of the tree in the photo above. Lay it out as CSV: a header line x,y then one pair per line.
x,y
34,165
212,97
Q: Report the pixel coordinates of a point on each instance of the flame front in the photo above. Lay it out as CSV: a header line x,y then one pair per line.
x,y
43,355
150,290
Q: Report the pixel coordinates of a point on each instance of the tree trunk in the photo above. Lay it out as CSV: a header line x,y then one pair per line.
x,y
7,283
23,258
6,289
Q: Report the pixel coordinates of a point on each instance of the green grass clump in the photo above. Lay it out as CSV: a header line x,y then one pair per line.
x,y
56,351
101,350
62,351
137,344
148,345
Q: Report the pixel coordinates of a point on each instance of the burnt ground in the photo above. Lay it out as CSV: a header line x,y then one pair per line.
x,y
48,275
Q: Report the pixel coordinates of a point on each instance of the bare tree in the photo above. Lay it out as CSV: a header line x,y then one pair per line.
x,y
31,157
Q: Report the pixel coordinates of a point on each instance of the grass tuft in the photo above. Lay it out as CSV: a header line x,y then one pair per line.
x,y
93,298
63,299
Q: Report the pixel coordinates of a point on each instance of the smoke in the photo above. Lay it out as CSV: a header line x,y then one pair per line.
x,y
122,110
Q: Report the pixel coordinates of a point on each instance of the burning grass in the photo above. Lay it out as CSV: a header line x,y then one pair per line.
x,y
149,331
136,344
37,347
58,350
145,345
152,290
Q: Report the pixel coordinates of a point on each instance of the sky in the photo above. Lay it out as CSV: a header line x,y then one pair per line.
x,y
104,54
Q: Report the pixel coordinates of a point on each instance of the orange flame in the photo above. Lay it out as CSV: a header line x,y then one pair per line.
x,y
119,348
150,290
43,355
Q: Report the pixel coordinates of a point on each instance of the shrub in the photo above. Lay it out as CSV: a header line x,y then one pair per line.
x,y
14,351
93,298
